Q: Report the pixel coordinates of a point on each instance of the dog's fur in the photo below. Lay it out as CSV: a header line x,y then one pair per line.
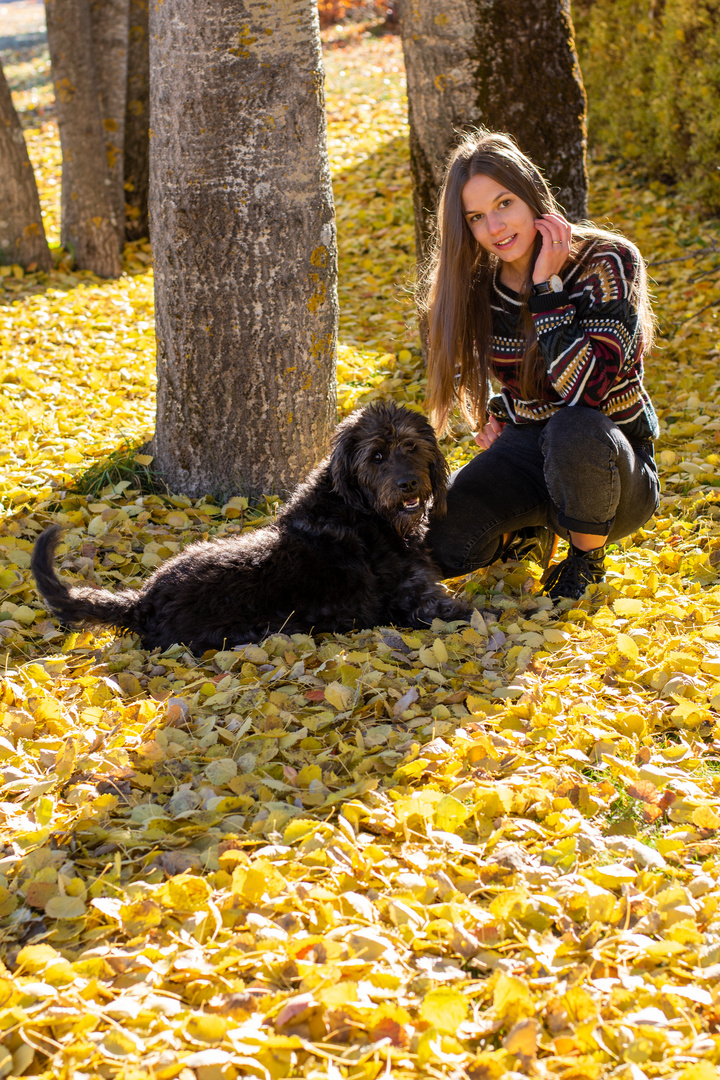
x,y
346,553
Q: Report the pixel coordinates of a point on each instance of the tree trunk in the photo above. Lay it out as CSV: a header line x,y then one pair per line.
x,y
243,237
137,124
508,66
109,29
22,237
88,224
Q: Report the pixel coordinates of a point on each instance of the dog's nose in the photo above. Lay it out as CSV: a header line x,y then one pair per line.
x,y
408,485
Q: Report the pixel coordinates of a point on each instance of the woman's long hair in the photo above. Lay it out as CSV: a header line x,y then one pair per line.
x,y
455,286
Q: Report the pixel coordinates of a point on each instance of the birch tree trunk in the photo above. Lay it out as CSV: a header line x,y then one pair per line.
x,y
109,28
22,237
243,237
88,223
137,124
508,66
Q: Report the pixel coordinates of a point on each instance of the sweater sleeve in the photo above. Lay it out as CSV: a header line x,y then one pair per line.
x,y
586,340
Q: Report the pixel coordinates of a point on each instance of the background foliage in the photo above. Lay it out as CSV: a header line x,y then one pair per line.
x,y
652,74
332,12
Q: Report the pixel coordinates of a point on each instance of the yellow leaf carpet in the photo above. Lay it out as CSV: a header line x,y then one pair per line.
x,y
483,851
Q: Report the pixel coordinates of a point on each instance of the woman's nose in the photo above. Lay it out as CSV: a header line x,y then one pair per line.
x,y
496,224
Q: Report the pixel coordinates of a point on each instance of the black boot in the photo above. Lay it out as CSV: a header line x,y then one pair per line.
x,y
571,577
534,542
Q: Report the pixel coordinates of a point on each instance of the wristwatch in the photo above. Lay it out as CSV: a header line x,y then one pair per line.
x,y
553,284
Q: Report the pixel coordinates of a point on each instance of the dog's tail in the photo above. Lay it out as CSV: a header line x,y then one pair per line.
x,y
78,605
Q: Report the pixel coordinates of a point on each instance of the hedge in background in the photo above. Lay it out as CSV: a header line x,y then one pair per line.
x,y
652,75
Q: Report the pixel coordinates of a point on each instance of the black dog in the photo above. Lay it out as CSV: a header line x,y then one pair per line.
x,y
346,553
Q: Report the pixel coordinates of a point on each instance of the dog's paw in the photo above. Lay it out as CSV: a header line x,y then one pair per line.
x,y
456,612
448,610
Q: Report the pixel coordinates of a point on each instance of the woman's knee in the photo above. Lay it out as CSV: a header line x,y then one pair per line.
x,y
578,423
577,433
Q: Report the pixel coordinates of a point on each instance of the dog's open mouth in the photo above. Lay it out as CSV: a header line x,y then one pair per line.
x,y
411,505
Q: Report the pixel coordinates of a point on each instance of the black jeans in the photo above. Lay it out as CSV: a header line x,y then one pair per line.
x,y
576,472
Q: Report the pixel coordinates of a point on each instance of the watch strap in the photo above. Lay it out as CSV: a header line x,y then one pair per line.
x,y
553,284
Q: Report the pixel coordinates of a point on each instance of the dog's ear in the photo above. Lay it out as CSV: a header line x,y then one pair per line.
x,y
343,465
439,474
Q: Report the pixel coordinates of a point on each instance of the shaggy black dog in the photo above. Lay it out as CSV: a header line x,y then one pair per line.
x,y
344,554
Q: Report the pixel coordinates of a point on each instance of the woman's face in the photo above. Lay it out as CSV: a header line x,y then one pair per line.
x,y
500,222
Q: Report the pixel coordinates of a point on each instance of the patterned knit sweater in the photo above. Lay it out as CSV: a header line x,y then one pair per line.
x,y
589,337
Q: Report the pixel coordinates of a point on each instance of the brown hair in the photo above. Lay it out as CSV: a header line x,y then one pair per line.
x,y
455,286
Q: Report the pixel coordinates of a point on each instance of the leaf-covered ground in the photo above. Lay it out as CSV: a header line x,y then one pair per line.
x,y
484,850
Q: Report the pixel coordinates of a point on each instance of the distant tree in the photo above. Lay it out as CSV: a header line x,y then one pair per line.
x,y
109,30
22,237
243,237
509,66
137,124
88,221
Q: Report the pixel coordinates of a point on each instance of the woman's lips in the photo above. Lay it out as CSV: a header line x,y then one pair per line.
x,y
505,244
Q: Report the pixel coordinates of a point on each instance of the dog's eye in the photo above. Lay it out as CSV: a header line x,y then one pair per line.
x,y
409,447
378,456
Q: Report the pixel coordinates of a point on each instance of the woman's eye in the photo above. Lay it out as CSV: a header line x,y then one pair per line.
x,y
505,202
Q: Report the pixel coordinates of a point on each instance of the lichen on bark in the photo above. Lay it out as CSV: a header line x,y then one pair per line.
x,y
88,222
22,237
109,21
243,235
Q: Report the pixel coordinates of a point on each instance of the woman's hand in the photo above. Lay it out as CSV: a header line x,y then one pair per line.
x,y
489,433
557,237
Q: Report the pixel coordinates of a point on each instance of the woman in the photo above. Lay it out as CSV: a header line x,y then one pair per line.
x,y
559,316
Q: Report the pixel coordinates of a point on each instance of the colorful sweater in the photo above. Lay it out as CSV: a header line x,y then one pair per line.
x,y
589,336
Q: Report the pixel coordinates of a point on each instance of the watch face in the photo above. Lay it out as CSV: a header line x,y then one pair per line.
x,y
555,283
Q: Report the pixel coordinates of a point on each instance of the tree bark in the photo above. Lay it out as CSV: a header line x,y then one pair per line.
x,y
109,29
88,224
508,66
137,124
244,244
22,237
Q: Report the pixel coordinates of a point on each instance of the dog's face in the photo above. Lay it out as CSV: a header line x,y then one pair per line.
x,y
387,457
